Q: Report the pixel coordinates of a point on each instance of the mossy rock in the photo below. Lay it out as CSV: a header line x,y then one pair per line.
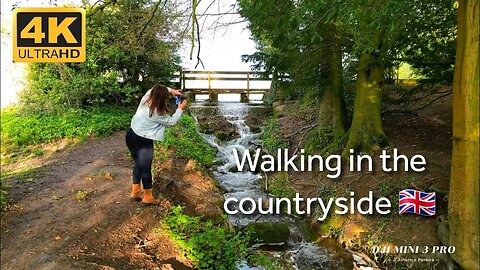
x,y
233,169
308,231
255,129
268,232
222,136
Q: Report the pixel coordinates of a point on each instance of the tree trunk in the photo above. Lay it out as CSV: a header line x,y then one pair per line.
x,y
331,105
366,132
463,204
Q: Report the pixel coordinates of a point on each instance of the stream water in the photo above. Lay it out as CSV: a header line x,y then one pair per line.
x,y
296,253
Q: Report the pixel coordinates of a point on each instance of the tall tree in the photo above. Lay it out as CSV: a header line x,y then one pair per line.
x,y
331,70
463,204
373,28
319,19
292,40
381,31
366,130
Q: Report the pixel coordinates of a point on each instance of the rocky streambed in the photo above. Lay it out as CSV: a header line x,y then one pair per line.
x,y
288,240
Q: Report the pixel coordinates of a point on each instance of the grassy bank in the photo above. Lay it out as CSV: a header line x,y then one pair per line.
x,y
208,245
185,141
21,130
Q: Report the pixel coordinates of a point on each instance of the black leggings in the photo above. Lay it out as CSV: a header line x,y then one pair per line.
x,y
142,152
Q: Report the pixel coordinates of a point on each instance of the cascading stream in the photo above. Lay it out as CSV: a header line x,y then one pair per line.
x,y
298,253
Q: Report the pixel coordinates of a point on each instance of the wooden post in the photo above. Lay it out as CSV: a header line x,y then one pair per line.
x,y
183,80
209,88
248,87
243,98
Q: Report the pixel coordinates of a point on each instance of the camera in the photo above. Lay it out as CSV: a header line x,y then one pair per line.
x,y
179,99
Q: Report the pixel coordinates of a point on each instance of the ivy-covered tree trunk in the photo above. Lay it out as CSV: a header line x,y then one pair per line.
x,y
331,105
463,203
366,132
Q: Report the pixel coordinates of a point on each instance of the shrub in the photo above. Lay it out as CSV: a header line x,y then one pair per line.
x,y
55,88
120,60
208,245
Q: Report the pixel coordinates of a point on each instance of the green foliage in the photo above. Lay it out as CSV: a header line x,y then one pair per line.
x,y
187,142
73,123
297,42
324,141
278,185
428,41
126,52
261,259
208,245
272,138
55,88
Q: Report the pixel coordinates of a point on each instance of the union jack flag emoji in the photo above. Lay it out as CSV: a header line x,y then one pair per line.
x,y
417,202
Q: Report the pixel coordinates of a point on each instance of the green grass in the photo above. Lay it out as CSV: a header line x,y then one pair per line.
x,y
208,245
187,142
75,123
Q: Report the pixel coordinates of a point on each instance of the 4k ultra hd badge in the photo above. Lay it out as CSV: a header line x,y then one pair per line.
x,y
49,35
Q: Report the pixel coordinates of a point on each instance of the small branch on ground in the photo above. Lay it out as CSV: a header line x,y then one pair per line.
x,y
302,129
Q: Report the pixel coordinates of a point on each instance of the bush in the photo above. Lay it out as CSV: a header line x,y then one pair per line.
x,y
74,123
187,142
56,88
119,63
208,245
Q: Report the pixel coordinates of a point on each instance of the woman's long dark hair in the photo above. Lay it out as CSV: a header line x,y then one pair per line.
x,y
157,101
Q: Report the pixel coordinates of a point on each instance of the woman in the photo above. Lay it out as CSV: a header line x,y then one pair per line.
x,y
149,124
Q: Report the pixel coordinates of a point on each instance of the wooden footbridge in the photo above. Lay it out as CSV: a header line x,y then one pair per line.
x,y
212,83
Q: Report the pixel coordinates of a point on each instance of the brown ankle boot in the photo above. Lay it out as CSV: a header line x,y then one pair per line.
x,y
148,197
136,195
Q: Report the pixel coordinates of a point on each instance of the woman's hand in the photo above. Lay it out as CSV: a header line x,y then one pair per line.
x,y
176,92
182,104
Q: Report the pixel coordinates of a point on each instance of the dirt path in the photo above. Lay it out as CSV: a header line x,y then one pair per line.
x,y
47,227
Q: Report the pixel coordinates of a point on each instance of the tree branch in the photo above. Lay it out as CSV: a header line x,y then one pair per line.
x,y
413,111
199,60
194,22
155,8
101,7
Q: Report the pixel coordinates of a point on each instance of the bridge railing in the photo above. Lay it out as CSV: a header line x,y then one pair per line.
x,y
244,87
